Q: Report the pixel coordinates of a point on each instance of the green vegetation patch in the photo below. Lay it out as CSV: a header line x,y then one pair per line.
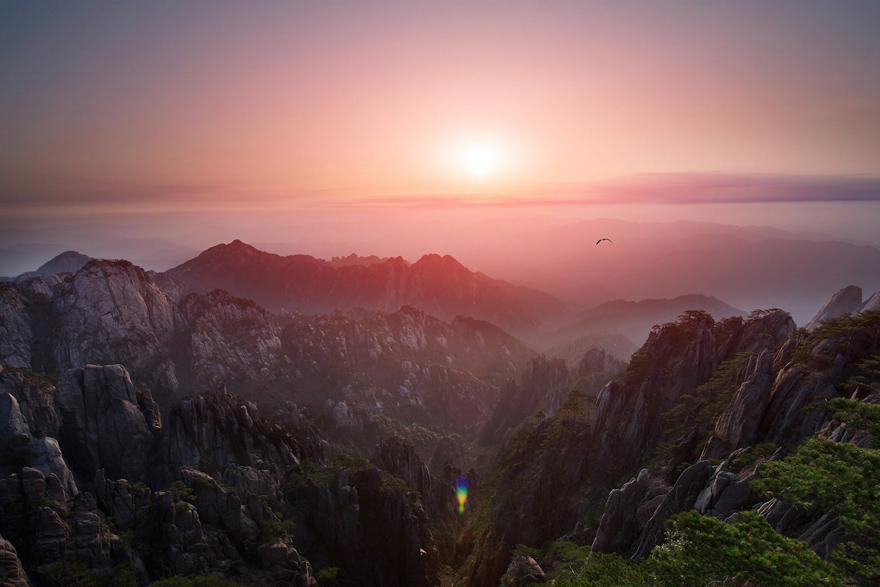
x,y
838,478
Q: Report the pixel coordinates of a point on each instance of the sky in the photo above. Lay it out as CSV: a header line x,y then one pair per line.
x,y
760,113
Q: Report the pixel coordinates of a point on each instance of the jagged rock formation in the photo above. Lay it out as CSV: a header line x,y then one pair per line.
x,y
111,312
231,339
124,527
846,301
105,424
579,453
15,332
214,489
11,569
370,524
767,395
523,570
400,459
595,369
674,362
410,364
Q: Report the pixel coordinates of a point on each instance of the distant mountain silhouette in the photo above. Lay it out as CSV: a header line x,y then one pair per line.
x,y
66,262
633,320
749,267
439,285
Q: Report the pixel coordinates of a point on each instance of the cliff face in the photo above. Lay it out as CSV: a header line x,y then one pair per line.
x,y
700,408
111,312
552,472
124,497
407,363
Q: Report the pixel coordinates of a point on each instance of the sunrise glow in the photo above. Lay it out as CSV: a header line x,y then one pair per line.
x,y
481,159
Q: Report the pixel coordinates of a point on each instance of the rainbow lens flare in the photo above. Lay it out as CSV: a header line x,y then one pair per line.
x,y
461,491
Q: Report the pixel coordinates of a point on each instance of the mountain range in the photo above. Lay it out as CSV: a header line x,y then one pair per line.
x,y
439,285
748,267
152,429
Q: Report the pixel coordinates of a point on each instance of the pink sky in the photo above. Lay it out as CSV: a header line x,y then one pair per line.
x,y
164,106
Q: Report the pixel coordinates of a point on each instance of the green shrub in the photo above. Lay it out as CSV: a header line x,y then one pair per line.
x,y
327,575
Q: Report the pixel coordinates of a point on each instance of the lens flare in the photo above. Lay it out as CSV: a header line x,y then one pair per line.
x,y
461,491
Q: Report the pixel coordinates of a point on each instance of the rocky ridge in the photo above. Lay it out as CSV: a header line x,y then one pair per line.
x,y
438,285
577,455
846,301
701,407
407,364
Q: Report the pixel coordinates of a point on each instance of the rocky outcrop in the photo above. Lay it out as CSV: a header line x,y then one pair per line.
x,y
104,425
846,301
740,421
400,459
15,332
873,303
634,519
368,524
60,535
675,360
577,455
111,312
21,433
406,364
523,570
35,397
231,339
397,457
11,569
625,515
400,551
597,360
198,525
213,431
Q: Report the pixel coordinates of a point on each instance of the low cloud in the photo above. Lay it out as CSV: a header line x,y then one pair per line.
x,y
665,188
649,188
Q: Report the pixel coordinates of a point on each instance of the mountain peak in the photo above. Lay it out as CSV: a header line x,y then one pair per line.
x,y
238,245
436,262
66,262
846,301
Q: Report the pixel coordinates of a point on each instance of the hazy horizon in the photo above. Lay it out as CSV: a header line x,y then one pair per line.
x,y
153,131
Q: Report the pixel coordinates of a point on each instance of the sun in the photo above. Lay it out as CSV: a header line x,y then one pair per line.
x,y
481,160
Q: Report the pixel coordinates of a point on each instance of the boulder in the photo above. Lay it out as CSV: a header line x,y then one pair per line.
x,y
524,570
11,569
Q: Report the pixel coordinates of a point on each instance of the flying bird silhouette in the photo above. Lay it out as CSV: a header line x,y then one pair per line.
x,y
603,239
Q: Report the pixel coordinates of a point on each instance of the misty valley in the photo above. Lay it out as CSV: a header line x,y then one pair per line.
x,y
249,418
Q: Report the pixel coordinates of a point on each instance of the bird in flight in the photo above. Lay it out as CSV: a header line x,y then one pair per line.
x,y
603,239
